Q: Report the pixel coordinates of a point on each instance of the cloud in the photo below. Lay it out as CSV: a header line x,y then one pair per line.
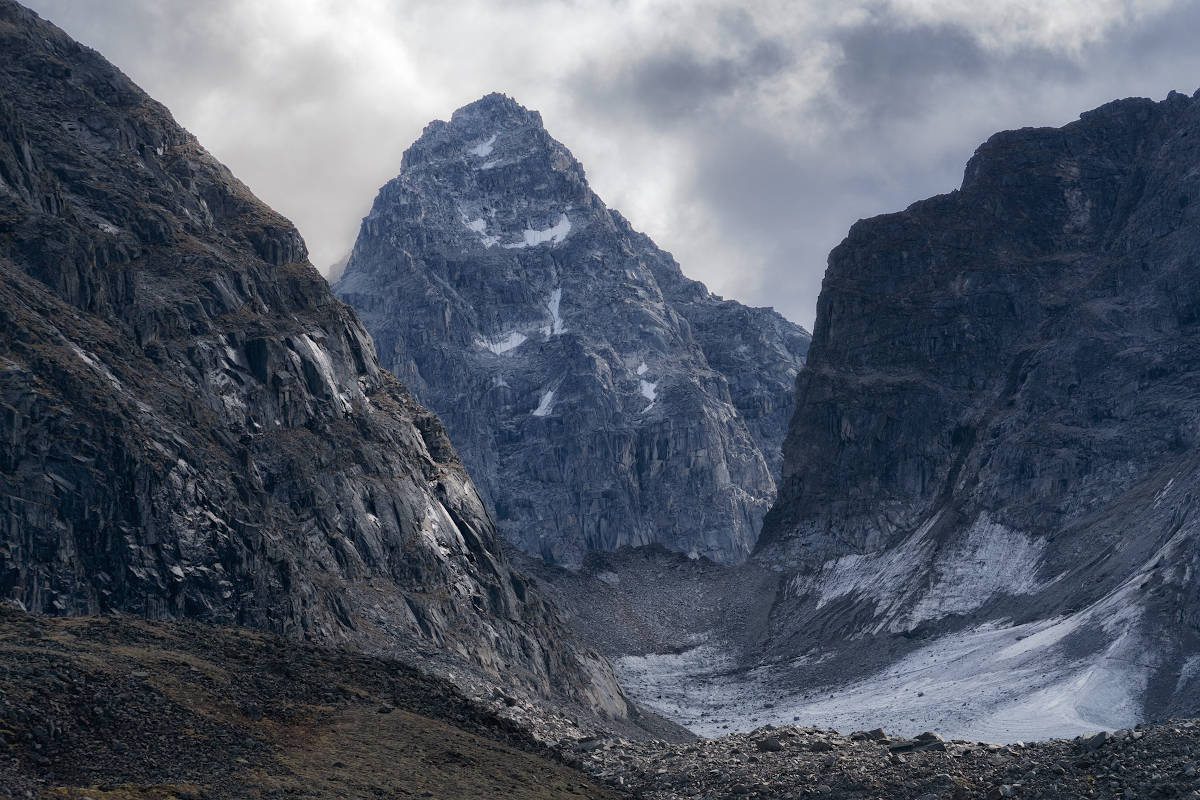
x,y
680,84
745,137
1052,25
888,70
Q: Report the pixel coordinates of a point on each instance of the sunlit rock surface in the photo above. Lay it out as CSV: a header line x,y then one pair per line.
x,y
191,425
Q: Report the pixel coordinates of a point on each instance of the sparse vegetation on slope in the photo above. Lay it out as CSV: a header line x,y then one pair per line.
x,y
115,707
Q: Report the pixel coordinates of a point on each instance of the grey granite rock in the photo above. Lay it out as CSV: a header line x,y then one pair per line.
x,y
191,425
997,423
987,523
598,397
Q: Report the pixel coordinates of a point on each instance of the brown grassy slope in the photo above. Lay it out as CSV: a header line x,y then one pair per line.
x,y
113,707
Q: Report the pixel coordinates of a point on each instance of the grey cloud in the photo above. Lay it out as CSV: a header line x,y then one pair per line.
x,y
1157,55
888,71
886,64
284,124
904,109
679,83
907,107
784,211
147,32
777,209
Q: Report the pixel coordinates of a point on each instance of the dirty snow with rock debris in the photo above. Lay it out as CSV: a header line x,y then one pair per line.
x,y
999,683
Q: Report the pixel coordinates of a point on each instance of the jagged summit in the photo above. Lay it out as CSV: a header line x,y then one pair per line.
x,y
495,107
493,129
598,396
496,141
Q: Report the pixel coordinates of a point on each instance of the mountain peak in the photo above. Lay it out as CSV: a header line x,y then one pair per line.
x,y
589,385
490,134
498,109
511,184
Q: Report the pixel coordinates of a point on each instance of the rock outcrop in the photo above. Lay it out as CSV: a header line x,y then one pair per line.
x,y
598,397
996,433
191,425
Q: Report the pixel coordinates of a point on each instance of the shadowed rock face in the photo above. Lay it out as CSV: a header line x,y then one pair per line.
x,y
598,396
998,421
192,426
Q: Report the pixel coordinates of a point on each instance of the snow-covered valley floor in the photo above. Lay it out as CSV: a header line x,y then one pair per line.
x,y
717,667
994,683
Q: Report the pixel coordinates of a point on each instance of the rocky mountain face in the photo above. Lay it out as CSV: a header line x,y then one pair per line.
x,y
992,469
191,425
598,397
987,521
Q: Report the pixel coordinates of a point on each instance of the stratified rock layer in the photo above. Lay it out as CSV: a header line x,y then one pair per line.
x,y
998,425
599,398
192,426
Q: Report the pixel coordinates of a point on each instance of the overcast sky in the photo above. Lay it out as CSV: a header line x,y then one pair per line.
x,y
743,136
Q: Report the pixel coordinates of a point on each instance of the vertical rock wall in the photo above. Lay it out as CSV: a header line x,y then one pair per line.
x,y
998,423
191,425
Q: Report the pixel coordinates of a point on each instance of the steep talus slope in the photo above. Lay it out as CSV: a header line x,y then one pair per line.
x,y
191,425
598,397
990,481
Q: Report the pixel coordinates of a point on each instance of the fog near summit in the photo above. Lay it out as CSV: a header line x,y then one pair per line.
x,y
744,137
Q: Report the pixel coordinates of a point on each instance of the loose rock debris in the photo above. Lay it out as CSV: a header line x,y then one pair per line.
x,y
1150,761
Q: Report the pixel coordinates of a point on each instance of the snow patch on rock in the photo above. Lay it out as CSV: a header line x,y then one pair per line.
x,y
967,685
546,405
556,327
96,364
1050,678
479,227
503,344
324,365
916,581
991,560
484,150
553,235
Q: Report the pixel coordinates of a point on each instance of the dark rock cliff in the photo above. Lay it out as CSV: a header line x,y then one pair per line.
x,y
191,425
598,397
998,422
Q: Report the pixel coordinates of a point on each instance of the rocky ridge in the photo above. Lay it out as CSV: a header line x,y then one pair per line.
x,y
598,397
192,426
